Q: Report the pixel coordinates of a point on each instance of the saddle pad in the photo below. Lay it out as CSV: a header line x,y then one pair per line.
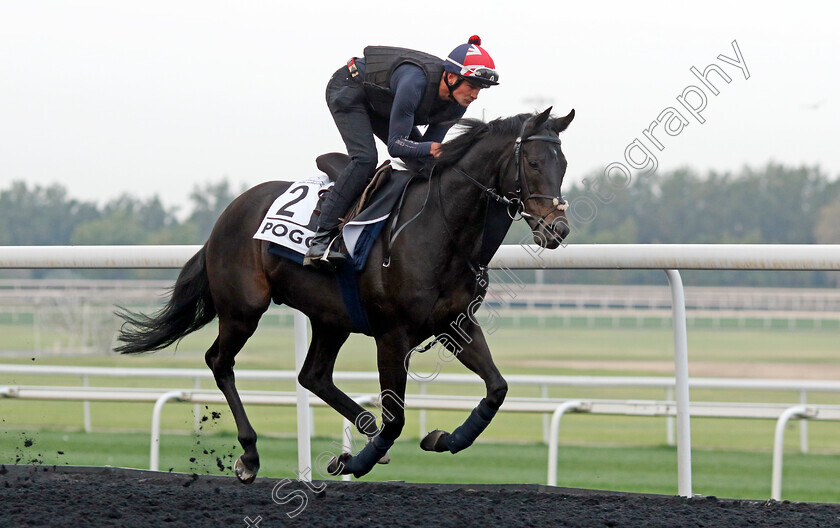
x,y
284,226
290,221
362,231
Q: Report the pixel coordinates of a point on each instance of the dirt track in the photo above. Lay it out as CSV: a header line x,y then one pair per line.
x,y
50,496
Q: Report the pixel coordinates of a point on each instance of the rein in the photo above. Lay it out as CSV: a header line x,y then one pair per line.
x,y
492,193
481,276
513,206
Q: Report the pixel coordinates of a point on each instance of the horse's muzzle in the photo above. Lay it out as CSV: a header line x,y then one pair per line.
x,y
549,234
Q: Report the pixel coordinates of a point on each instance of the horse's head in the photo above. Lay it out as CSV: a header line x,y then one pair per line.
x,y
527,178
540,166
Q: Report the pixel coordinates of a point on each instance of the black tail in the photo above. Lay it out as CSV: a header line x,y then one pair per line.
x,y
189,308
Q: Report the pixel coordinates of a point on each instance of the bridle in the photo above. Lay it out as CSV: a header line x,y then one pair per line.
x,y
558,202
516,205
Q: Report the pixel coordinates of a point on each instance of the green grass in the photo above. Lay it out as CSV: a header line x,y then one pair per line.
x,y
514,350
648,469
576,429
272,347
529,351
731,459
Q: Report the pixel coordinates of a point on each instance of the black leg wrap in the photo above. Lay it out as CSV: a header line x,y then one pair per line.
x,y
465,435
362,463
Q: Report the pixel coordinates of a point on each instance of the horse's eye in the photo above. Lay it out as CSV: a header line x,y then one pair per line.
x,y
533,164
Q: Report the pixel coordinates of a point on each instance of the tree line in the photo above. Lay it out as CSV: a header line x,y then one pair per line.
x,y
774,204
49,216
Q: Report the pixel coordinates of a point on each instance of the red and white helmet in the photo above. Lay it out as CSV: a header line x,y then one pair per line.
x,y
472,62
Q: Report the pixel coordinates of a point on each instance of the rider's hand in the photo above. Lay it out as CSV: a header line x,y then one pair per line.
x,y
435,150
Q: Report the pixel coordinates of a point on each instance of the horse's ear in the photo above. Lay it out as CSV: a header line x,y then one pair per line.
x,y
535,123
542,118
562,123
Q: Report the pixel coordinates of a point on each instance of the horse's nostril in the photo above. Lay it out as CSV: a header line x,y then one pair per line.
x,y
558,229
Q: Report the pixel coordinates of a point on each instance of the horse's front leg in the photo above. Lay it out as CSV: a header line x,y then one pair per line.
x,y
473,352
391,352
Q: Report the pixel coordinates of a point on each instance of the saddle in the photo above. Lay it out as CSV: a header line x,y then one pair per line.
x,y
333,164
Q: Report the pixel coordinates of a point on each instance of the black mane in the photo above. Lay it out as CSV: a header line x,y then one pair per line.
x,y
475,129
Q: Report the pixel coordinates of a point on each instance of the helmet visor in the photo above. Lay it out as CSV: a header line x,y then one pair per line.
x,y
480,76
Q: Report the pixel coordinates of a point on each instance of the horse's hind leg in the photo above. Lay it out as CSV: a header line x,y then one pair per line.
x,y
316,374
220,358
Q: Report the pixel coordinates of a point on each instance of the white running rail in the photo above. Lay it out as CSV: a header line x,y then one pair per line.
x,y
668,257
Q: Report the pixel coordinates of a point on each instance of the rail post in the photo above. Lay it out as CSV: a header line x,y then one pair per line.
x,y
681,384
779,448
554,433
154,450
303,414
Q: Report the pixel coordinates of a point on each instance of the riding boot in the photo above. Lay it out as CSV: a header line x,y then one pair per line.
x,y
324,253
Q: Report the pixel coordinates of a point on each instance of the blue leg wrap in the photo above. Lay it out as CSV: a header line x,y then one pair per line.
x,y
465,435
363,462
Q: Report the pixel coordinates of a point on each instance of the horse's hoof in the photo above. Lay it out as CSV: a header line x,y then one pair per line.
x,y
338,465
435,441
245,475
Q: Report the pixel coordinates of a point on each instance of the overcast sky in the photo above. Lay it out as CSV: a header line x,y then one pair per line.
x,y
156,97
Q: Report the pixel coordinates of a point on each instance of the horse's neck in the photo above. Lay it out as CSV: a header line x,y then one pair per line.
x,y
463,207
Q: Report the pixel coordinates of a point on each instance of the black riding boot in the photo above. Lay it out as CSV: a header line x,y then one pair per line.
x,y
324,253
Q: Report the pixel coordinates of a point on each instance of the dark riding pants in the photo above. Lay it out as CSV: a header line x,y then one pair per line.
x,y
347,103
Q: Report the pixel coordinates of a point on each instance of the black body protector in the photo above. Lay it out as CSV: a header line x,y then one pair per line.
x,y
380,63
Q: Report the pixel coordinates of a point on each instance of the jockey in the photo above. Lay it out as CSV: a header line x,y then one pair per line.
x,y
387,93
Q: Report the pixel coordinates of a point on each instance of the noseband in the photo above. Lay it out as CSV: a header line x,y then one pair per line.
x,y
516,205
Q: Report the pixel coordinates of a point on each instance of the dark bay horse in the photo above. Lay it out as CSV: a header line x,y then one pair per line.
x,y
434,275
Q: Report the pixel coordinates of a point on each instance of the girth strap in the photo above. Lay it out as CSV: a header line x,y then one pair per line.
x,y
395,216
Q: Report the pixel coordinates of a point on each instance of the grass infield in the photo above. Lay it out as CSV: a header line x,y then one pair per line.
x,y
731,457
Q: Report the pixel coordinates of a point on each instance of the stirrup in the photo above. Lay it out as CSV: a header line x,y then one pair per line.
x,y
329,259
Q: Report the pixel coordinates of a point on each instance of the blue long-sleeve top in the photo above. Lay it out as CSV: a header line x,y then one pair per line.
x,y
408,82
